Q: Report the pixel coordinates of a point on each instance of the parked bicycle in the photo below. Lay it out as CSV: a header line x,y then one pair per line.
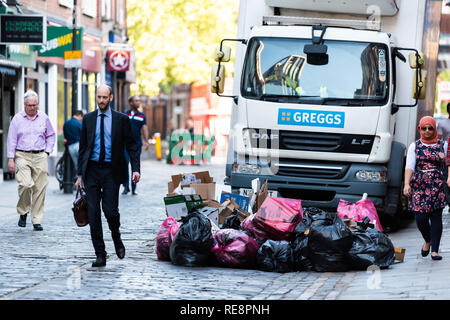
x,y
61,166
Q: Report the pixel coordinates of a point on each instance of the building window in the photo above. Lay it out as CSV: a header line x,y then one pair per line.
x,y
106,9
66,3
89,8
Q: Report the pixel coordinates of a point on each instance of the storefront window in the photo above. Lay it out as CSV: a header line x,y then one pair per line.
x,y
88,89
64,102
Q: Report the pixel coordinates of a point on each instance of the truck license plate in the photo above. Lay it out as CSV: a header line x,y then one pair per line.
x,y
246,192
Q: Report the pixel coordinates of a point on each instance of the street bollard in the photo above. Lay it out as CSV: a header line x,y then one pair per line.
x,y
68,171
158,145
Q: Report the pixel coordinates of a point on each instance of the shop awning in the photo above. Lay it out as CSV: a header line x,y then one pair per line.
x,y
9,67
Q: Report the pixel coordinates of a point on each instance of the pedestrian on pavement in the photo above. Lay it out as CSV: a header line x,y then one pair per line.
x,y
443,126
424,185
138,127
102,168
72,131
31,139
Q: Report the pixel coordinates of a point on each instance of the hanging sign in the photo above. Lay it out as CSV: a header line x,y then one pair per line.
x,y
118,60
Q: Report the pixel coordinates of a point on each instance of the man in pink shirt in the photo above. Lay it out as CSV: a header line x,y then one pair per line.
x,y
31,139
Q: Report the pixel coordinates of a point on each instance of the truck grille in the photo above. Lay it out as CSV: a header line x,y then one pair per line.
x,y
311,141
316,170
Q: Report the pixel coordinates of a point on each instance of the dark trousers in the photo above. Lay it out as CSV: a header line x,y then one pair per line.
x,y
127,158
101,188
430,226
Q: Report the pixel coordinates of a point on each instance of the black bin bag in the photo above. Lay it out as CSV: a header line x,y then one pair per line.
x,y
232,222
329,240
275,256
370,247
192,244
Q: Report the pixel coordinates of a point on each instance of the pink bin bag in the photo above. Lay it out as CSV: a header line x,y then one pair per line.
x,y
358,211
278,217
164,238
234,248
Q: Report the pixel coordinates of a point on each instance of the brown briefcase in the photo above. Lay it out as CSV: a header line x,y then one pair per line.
x,y
80,208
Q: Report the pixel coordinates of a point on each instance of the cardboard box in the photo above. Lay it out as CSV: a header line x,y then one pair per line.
x,y
205,188
210,212
399,253
242,201
229,206
178,206
261,195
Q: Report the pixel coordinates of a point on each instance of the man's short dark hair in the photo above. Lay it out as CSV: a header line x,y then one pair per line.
x,y
77,113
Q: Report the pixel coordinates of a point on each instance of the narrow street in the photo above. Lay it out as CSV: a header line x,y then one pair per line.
x,y
55,264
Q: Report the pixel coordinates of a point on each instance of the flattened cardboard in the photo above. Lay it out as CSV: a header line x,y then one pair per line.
x,y
231,205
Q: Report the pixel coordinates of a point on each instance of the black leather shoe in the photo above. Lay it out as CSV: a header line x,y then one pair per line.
x,y
126,190
120,248
37,227
425,253
436,257
99,262
134,193
23,220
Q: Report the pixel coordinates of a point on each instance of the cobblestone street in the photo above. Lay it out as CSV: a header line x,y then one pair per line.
x,y
55,264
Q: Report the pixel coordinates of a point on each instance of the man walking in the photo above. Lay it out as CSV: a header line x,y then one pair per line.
x,y
105,134
72,131
138,127
31,139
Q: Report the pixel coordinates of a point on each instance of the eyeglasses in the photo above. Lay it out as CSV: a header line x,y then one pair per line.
x,y
427,128
31,105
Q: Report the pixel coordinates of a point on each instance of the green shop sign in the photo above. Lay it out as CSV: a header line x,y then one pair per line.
x,y
59,39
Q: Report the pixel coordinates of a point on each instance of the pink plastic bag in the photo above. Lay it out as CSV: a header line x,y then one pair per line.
x,y
164,238
279,217
234,248
358,211
249,226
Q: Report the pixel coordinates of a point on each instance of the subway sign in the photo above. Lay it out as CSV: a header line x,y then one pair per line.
x,y
22,29
311,118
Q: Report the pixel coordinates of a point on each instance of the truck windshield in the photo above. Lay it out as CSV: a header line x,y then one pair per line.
x,y
276,69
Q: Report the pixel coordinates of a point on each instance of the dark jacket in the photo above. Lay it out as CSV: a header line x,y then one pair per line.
x,y
121,137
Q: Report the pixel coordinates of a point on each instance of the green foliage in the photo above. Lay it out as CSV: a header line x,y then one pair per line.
x,y
175,39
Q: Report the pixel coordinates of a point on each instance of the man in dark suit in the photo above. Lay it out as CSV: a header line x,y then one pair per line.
x,y
102,168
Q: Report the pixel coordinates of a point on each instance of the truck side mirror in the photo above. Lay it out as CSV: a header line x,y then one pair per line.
x,y
413,60
217,78
223,54
419,86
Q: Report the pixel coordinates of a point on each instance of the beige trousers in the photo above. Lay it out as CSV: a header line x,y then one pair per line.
x,y
32,177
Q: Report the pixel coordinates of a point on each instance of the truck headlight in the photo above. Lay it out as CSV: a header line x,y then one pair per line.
x,y
373,176
247,168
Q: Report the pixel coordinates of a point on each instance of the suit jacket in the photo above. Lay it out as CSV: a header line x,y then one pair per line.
x,y
121,137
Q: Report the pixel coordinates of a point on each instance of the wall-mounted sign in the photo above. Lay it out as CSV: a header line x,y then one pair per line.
x,y
72,59
59,39
22,29
118,60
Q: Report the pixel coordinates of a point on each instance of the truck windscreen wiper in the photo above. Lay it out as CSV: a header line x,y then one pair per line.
x,y
350,102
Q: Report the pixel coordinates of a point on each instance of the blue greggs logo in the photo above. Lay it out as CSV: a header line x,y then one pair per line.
x,y
311,118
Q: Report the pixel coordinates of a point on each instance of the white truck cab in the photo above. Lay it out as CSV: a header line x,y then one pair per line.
x,y
325,99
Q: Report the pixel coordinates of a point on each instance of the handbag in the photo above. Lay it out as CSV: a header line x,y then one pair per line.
x,y
80,212
444,170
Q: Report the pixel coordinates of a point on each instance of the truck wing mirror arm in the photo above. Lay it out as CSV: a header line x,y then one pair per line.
x,y
218,75
416,62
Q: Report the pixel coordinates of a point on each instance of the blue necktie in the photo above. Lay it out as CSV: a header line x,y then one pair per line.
x,y
102,138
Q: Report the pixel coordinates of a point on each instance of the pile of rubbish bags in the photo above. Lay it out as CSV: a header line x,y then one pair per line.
x,y
280,237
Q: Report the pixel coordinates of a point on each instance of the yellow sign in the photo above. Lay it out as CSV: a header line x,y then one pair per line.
x,y
69,55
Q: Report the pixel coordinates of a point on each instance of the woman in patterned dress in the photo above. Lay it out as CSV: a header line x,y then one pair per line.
x,y
424,185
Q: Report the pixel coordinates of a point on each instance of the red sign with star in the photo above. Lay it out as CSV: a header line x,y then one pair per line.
x,y
118,60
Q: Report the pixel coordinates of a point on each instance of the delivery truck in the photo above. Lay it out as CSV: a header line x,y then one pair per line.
x,y
325,98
